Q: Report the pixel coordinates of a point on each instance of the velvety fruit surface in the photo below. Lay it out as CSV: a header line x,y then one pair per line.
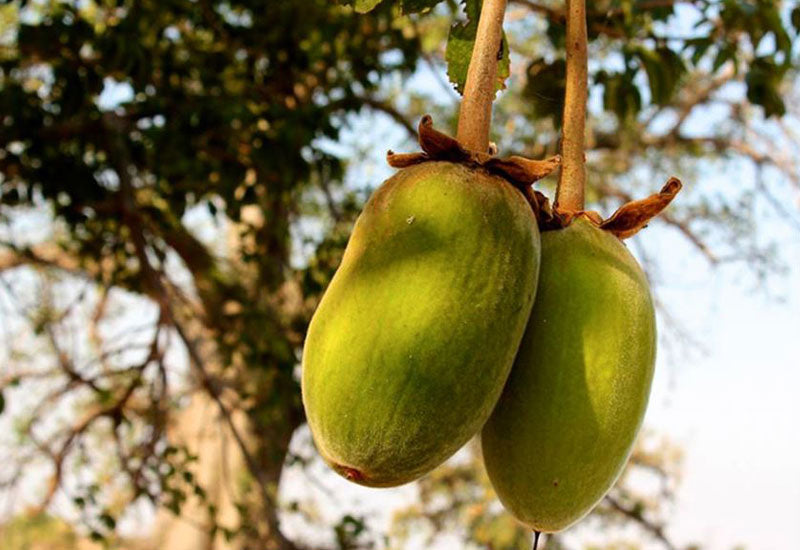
x,y
414,338
568,416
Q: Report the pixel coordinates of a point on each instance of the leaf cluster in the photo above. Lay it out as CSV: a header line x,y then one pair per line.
x,y
754,36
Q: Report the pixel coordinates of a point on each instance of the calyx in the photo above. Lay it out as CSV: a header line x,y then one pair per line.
x,y
522,173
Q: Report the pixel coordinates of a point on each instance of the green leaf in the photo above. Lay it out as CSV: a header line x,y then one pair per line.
x,y
363,6
620,95
415,6
699,47
107,520
770,22
796,19
763,86
656,13
544,89
728,53
664,70
460,44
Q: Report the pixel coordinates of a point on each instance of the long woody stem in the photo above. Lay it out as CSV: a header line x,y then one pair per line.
x,y
570,193
475,117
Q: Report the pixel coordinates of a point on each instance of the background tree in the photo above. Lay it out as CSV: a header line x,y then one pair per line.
x,y
172,194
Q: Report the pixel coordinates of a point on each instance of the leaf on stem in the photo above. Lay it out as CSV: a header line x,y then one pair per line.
x,y
460,44
362,6
415,6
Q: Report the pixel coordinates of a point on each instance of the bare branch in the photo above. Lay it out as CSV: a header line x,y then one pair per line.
x,y
377,105
395,115
44,255
160,294
113,411
654,529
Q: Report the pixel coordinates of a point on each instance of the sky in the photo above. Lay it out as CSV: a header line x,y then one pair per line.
x,y
735,409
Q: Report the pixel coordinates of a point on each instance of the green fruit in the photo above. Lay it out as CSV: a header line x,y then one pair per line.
x,y
565,424
414,338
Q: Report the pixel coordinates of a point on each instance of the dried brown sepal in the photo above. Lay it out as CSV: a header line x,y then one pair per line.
x,y
438,145
522,171
518,171
530,196
403,160
543,209
630,218
561,218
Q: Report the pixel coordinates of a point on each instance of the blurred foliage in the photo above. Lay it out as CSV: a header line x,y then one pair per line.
x,y
460,44
123,116
122,119
39,533
727,30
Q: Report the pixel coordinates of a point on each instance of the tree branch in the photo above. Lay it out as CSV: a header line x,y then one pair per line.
x,y
397,116
656,530
161,296
376,105
44,255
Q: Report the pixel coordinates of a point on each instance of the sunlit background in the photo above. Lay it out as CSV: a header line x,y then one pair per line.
x,y
271,194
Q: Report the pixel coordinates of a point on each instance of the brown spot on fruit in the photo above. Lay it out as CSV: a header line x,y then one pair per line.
x,y
351,474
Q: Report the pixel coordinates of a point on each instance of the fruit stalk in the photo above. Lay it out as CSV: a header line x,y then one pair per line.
x,y
475,116
570,192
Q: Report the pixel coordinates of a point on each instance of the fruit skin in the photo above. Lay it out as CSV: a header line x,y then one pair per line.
x,y
414,338
565,424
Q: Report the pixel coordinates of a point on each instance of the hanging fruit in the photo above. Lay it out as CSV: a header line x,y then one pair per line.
x,y
577,394
578,390
412,343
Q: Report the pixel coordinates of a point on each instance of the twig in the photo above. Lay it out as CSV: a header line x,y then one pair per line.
x,y
570,192
395,115
656,530
376,105
161,296
113,411
550,13
475,116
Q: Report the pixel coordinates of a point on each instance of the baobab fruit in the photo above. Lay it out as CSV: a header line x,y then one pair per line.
x,y
414,338
574,401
